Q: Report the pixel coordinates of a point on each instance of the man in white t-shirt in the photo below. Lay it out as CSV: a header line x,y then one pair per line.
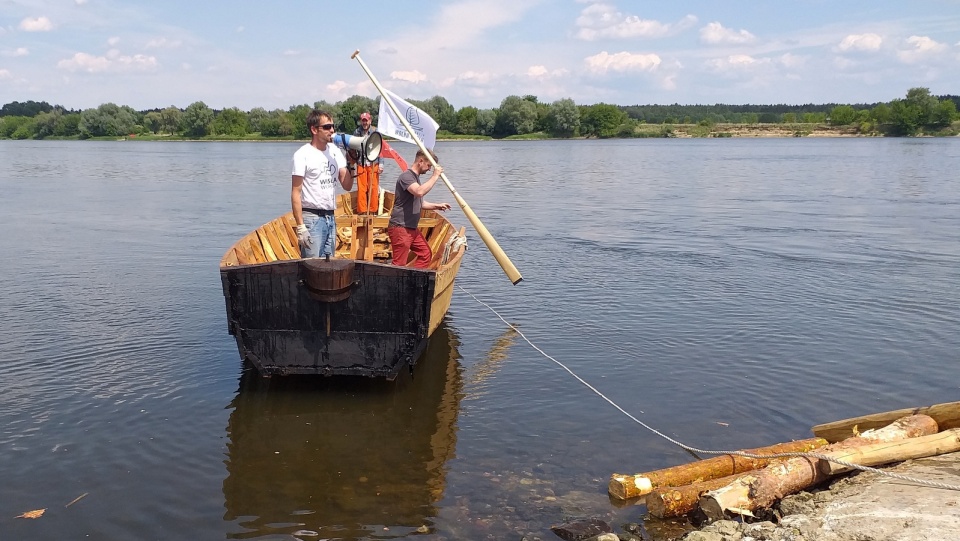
x,y
316,166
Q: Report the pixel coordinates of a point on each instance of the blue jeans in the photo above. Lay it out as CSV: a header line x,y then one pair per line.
x,y
323,232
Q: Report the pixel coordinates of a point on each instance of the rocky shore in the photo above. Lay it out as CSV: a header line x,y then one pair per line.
x,y
860,506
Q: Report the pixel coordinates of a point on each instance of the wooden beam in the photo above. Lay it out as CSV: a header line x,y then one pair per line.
x,y
947,415
624,487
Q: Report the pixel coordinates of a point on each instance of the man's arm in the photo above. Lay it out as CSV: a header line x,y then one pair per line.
x,y
420,190
434,206
346,179
296,203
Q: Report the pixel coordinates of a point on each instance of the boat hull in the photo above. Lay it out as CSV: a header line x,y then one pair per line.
x,y
353,315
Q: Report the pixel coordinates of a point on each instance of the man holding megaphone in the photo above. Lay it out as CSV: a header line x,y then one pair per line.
x,y
316,166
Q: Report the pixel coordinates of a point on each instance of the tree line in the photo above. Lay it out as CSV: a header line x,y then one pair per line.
x,y
919,112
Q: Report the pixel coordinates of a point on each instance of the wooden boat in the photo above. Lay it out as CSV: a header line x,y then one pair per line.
x,y
354,314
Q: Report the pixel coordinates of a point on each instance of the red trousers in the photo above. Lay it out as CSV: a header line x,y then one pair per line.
x,y
403,241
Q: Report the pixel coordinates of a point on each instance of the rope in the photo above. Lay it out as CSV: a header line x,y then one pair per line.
x,y
923,482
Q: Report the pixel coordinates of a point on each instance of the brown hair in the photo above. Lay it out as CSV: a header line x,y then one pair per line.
x,y
313,119
420,154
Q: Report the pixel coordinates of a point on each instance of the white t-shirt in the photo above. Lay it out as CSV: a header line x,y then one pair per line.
x,y
320,170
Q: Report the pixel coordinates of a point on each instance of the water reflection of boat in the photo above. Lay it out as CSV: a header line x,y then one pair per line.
x,y
346,458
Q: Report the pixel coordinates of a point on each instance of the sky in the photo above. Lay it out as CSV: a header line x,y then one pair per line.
x,y
275,54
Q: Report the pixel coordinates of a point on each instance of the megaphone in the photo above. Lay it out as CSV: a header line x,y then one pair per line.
x,y
367,146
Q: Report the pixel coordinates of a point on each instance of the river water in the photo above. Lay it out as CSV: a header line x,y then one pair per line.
x,y
729,293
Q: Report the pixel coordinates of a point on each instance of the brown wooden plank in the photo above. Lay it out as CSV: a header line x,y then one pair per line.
x,y
265,244
253,244
241,256
229,259
278,240
291,230
947,415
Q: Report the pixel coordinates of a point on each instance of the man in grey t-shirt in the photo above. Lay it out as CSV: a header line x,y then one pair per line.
x,y
408,202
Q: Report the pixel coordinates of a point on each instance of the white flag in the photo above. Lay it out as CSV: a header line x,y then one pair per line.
x,y
424,127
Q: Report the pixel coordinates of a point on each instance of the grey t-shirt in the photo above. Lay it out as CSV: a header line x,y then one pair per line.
x,y
406,206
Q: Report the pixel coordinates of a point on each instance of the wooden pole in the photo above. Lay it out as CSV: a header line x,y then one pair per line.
x,y
624,487
508,267
669,502
947,415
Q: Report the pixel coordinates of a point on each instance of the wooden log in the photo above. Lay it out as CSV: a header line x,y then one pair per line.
x,y
763,488
624,487
877,454
947,416
669,502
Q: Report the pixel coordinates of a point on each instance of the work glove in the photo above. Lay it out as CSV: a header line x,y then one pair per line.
x,y
303,235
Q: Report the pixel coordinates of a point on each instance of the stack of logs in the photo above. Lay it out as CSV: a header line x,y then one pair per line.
x,y
730,485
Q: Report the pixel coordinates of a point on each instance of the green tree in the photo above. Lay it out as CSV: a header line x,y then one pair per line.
x,y
467,120
172,116
108,120
517,116
601,120
881,113
153,121
277,124
843,115
486,121
45,124
196,120
563,118
944,114
298,118
255,117
230,121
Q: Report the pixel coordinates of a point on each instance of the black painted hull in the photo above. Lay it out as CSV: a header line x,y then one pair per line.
x,y
380,328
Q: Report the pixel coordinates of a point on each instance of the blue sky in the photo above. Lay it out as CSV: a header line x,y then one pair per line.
x,y
82,53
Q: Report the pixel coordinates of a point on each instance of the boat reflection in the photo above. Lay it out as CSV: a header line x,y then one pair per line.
x,y
348,458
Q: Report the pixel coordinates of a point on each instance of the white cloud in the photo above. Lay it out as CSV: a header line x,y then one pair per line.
x,y
5,74
163,43
861,42
921,47
80,2
792,61
240,29
622,62
541,72
112,62
537,71
39,24
737,62
716,34
602,20
19,51
337,86
291,52
408,76
113,41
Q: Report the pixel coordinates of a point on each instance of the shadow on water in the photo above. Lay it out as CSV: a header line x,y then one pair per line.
x,y
343,457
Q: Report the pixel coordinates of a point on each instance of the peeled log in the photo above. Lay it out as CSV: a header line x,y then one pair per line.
x,y
947,415
876,454
625,487
763,488
668,502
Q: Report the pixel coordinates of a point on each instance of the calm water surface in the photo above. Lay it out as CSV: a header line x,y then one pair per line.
x,y
731,293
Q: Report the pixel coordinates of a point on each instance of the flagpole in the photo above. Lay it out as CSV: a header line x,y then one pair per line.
x,y
511,271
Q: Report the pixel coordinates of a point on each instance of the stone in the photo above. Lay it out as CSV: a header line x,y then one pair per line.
x,y
581,529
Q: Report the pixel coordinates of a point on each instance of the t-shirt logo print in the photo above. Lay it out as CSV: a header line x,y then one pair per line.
x,y
413,118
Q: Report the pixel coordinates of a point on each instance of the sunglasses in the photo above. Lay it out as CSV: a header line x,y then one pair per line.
x,y
326,126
